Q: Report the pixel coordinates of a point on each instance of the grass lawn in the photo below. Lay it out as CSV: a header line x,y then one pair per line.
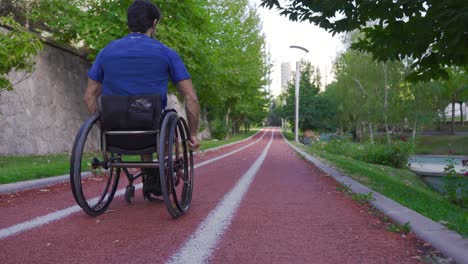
x,y
442,145
207,144
402,186
459,128
288,135
22,168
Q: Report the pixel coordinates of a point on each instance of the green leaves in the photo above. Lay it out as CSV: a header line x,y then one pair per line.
x,y
18,48
315,110
220,42
432,33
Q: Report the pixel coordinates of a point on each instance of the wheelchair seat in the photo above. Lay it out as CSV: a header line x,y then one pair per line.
x,y
130,124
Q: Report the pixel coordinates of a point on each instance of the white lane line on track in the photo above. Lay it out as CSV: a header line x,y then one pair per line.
x,y
55,216
201,244
227,145
49,181
229,153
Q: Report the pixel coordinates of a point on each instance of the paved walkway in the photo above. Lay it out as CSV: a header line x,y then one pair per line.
x,y
435,164
261,204
459,133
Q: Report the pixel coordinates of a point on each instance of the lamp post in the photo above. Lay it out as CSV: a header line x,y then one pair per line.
x,y
298,77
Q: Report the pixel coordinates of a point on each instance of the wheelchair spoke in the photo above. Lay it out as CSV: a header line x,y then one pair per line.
x,y
101,178
93,185
178,166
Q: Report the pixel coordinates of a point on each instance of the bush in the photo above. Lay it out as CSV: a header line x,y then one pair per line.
x,y
342,147
288,135
395,154
456,186
219,129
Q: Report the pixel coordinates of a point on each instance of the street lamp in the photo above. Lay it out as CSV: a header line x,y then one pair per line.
x,y
298,77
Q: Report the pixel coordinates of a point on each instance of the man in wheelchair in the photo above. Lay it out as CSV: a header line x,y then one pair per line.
x,y
138,66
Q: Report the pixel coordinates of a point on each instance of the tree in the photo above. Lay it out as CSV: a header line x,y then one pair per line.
x,y
220,42
17,9
315,111
457,91
430,33
374,91
18,48
274,113
428,104
240,65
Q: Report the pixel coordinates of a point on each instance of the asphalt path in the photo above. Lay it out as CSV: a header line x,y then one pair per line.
x,y
254,202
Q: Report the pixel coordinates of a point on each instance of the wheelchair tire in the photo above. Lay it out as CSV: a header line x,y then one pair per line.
x,y
93,186
175,164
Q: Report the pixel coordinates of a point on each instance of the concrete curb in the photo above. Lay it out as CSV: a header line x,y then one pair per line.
x,y
441,156
10,188
32,184
446,241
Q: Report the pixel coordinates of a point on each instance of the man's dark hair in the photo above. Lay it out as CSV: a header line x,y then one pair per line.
x,y
141,15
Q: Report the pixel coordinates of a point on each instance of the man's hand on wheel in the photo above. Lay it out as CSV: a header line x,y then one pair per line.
x,y
193,143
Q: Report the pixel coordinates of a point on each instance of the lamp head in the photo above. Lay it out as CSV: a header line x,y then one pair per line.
x,y
299,47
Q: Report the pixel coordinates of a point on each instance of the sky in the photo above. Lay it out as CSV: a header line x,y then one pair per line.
x,y
281,33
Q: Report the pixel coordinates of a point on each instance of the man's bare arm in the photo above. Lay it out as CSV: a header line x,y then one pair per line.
x,y
93,90
192,109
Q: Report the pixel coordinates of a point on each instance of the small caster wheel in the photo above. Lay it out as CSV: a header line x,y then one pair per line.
x,y
129,193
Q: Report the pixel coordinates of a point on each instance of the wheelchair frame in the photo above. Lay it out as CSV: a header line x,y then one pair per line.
x,y
174,167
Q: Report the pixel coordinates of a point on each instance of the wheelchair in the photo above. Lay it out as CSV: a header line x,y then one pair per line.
x,y
110,143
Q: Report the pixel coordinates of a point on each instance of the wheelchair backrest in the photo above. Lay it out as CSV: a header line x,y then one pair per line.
x,y
133,112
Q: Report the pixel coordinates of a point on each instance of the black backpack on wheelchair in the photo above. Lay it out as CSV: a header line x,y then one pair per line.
x,y
107,143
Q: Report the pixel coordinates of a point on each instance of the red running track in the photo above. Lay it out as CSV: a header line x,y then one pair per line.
x,y
290,213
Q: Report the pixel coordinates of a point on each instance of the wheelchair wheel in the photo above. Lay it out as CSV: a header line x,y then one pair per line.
x,y
93,184
175,164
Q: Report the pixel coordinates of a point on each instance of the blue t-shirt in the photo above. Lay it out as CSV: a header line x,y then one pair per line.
x,y
137,65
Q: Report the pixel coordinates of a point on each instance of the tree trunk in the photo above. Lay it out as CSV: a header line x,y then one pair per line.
x,y
355,134
452,127
439,122
461,114
386,103
228,112
371,133
362,132
204,120
414,128
359,132
444,118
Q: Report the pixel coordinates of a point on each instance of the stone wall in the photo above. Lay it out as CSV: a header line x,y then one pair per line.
x,y
44,112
